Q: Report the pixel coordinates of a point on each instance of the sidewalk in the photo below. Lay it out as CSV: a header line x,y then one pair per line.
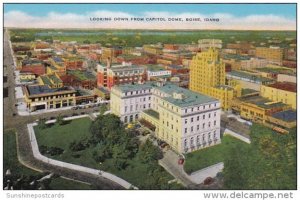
x,y
39,156
169,162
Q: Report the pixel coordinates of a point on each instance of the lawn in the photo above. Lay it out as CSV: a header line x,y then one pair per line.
x,y
62,135
209,156
10,161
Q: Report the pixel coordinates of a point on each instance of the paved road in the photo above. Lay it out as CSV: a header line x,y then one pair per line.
x,y
18,123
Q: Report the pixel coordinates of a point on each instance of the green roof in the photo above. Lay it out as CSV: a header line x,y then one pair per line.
x,y
46,80
236,57
190,98
263,102
155,68
246,91
275,70
82,75
55,79
152,113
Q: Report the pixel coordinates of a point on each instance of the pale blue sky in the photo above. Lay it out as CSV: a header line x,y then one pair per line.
x,y
238,10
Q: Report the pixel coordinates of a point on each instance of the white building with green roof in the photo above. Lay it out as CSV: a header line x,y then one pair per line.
x,y
186,120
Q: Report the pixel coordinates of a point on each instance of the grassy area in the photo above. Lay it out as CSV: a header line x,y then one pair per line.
x,y
62,136
10,161
209,156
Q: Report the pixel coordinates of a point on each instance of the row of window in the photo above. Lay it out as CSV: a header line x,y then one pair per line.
x,y
198,117
137,92
144,106
141,99
52,97
192,139
198,127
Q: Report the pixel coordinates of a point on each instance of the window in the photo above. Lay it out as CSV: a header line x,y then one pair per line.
x,y
149,105
203,116
203,125
126,119
185,143
144,99
185,130
144,106
125,108
198,139
208,124
198,118
215,122
203,107
185,121
198,127
192,109
209,115
192,119
215,135
192,128
192,141
215,114
185,110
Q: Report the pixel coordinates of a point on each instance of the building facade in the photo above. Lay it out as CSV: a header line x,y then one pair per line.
x,y
274,55
42,97
186,120
284,92
207,76
110,75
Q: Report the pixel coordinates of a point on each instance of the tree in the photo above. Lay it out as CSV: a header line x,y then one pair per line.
x,y
60,120
103,108
42,123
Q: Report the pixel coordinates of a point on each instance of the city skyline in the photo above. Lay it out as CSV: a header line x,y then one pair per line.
x,y
231,16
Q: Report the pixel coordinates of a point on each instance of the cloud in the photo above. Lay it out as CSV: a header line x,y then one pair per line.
x,y
87,20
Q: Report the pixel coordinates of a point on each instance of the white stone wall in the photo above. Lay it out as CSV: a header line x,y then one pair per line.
x,y
200,127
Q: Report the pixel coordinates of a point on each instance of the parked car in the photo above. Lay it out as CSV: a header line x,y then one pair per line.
x,y
180,161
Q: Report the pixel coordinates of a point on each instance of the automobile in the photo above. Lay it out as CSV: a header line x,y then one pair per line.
x,y
74,114
130,125
52,118
137,126
180,161
164,144
83,113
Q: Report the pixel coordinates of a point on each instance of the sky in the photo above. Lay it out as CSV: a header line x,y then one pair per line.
x,y
231,16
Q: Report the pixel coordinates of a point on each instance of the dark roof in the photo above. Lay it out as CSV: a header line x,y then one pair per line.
x,y
57,59
291,87
44,89
288,115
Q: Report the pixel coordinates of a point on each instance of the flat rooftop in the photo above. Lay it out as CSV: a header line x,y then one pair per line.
x,y
287,115
190,98
45,89
152,113
249,76
82,75
236,57
291,87
262,102
246,91
155,68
